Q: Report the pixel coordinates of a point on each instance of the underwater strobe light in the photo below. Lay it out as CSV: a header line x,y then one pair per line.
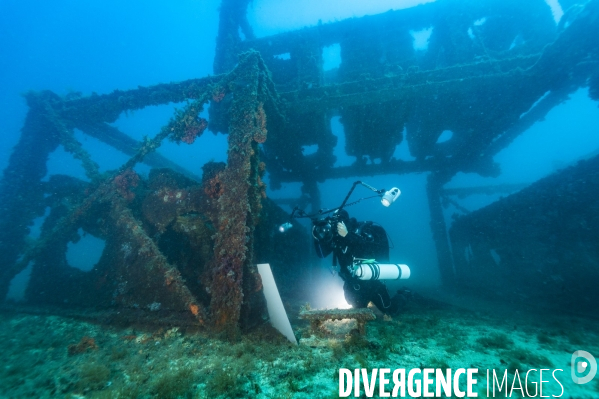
x,y
284,227
380,271
390,196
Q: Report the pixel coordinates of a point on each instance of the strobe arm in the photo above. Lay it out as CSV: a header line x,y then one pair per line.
x,y
351,190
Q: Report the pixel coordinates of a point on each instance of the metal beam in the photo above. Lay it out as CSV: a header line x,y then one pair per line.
x,y
129,146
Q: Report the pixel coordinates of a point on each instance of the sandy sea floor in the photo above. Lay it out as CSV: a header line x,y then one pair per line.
x,y
52,356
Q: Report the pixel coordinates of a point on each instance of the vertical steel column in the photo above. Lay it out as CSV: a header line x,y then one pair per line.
x,y
439,229
233,248
21,191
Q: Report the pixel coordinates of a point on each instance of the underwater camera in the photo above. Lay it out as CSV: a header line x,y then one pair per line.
x,y
325,229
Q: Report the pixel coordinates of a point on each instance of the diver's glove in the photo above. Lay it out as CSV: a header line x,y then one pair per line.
x,y
341,229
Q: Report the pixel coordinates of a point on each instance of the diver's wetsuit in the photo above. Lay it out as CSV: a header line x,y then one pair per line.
x,y
366,241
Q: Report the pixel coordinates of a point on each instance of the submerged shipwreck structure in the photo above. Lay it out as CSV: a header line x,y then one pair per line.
x,y
182,246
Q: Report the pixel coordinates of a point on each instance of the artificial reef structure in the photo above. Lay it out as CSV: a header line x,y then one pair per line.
x,y
183,246
175,244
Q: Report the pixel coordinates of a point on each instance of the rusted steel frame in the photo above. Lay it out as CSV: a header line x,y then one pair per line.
x,y
129,146
62,228
335,32
157,264
70,143
576,42
42,133
562,67
464,192
108,107
535,114
398,166
233,247
21,189
232,20
102,192
545,237
91,114
392,167
434,186
400,87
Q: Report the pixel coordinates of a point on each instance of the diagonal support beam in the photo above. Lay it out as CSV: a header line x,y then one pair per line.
x,y
129,146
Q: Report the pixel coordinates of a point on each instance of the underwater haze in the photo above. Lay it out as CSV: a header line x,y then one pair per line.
x,y
139,281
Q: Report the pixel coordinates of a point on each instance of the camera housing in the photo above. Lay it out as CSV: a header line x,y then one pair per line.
x,y
325,229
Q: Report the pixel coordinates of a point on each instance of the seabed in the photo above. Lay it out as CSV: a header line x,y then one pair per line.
x,y
46,356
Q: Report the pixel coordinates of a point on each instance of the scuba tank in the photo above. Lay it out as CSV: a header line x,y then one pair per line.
x,y
369,269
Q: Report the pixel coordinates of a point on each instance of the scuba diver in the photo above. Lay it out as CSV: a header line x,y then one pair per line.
x,y
359,250
349,240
